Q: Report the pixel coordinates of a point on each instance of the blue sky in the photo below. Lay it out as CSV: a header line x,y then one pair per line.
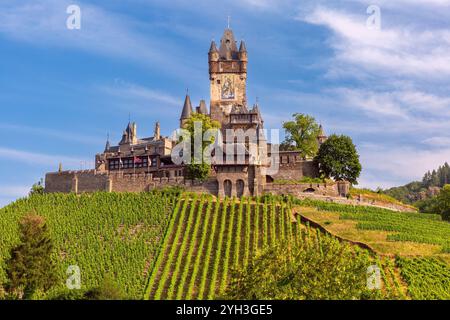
x,y
62,91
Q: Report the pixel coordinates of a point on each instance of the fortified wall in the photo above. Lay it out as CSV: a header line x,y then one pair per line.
x,y
92,180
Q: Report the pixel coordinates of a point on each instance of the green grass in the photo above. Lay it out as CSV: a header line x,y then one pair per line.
x,y
405,226
102,233
427,278
370,194
236,230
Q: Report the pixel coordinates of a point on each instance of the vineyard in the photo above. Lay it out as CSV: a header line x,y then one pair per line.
x,y
427,278
206,239
103,233
404,226
164,245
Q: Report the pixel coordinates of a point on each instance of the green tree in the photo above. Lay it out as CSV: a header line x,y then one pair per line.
x,y
305,269
200,171
443,203
301,135
108,290
30,268
37,188
339,159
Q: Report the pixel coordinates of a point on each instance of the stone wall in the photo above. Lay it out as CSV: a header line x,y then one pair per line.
x,y
91,181
303,189
290,168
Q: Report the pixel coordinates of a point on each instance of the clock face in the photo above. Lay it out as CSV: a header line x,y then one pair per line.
x,y
228,89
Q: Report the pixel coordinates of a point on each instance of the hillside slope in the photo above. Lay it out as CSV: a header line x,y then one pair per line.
x,y
166,246
102,233
207,238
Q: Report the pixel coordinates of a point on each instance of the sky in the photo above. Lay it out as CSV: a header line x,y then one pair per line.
x,y
62,91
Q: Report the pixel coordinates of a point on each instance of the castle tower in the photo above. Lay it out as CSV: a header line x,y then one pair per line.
x,y
187,111
321,138
228,76
130,134
157,133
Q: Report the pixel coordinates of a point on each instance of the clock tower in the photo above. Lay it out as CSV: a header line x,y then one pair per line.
x,y
228,77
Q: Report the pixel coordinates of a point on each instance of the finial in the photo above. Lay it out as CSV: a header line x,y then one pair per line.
x,y
187,91
228,22
129,117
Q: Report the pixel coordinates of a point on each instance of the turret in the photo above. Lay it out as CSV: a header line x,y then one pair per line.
x,y
187,111
157,133
243,52
130,134
202,109
321,138
213,52
108,145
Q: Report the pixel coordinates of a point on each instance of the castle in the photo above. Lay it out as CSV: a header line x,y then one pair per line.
x,y
142,164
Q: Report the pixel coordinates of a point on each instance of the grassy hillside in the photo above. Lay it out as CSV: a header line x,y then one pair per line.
x,y
389,232
102,233
165,246
207,238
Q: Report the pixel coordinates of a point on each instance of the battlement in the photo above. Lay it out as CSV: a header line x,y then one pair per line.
x,y
91,181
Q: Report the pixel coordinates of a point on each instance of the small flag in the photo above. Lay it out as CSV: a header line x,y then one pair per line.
x,y
137,160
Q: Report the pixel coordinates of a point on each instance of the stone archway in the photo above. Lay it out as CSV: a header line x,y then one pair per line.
x,y
227,187
240,185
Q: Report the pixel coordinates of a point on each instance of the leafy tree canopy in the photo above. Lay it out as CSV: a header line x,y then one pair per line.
x,y
200,171
30,268
339,159
307,269
301,135
443,202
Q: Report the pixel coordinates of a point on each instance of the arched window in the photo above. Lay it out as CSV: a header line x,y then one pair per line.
x,y
227,186
240,188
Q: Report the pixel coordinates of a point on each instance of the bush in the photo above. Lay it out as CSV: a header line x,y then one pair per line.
x,y
289,271
108,290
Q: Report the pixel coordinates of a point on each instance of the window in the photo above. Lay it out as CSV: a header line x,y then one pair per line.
x,y
114,164
154,162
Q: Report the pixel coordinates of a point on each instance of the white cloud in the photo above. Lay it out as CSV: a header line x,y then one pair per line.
x,y
54,134
41,159
13,191
43,22
143,99
134,91
399,164
437,142
402,49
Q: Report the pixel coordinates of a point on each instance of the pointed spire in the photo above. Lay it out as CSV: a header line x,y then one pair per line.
x,y
157,134
108,145
322,137
202,109
187,108
321,131
213,47
228,49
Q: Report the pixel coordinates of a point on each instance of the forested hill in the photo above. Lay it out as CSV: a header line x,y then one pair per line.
x,y
430,186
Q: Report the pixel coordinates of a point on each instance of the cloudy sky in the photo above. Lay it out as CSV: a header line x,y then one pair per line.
x,y
62,91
